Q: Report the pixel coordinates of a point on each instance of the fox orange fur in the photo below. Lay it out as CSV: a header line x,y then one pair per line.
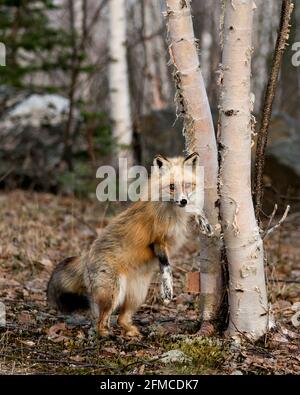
x,y
118,268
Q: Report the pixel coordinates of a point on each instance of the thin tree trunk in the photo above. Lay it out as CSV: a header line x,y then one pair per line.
x,y
118,79
248,302
157,88
283,35
199,133
67,154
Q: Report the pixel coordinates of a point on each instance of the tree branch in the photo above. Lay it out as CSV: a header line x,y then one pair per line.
x,y
269,231
282,38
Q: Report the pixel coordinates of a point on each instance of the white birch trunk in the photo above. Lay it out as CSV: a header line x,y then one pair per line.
x,y
118,79
200,137
78,11
248,303
79,24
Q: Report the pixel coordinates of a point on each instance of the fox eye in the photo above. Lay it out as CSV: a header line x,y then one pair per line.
x,y
172,187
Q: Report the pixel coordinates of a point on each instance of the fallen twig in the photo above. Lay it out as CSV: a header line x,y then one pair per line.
x,y
288,281
63,362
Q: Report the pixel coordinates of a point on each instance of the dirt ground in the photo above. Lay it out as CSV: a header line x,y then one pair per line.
x,y
37,230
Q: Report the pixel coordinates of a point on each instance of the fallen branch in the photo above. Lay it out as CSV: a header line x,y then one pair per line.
x,y
61,362
285,281
282,38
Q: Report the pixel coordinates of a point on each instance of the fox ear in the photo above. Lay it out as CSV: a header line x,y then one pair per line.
x,y
160,161
192,160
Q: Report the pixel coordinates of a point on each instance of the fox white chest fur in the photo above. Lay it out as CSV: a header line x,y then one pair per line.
x,y
178,228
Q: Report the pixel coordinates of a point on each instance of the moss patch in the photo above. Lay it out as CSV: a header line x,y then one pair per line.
x,y
207,355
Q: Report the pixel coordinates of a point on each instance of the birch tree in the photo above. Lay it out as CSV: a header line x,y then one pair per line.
x,y
248,304
118,79
157,87
199,134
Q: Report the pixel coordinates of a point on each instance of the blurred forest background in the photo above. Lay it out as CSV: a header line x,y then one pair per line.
x,y
55,126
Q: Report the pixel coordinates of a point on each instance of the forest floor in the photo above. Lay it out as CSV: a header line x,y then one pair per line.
x,y
37,230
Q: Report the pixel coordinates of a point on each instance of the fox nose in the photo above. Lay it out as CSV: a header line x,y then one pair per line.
x,y
183,202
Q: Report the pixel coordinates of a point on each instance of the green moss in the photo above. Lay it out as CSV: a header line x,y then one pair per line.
x,y
207,355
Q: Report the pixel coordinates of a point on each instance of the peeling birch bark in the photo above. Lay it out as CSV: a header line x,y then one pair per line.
x,y
193,106
248,304
118,79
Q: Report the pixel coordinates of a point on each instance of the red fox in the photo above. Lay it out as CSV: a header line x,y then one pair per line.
x,y
118,268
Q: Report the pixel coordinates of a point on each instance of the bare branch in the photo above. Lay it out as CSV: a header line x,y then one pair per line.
x,y
271,219
268,232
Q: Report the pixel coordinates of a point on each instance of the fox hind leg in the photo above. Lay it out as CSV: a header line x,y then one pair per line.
x,y
105,311
105,298
103,287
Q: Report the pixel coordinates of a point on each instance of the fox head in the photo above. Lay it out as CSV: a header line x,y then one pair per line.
x,y
177,179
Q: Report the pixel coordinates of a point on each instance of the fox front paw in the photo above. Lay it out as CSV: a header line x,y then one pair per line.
x,y
204,226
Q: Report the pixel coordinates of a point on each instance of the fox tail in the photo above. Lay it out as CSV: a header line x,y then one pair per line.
x,y
66,290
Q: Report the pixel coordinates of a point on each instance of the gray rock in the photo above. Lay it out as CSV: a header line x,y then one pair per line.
x,y
296,319
283,163
287,154
32,139
175,356
236,373
296,306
